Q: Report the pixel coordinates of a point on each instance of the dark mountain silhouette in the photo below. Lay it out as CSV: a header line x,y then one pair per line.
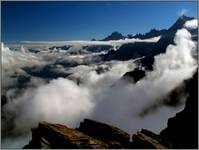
x,y
135,75
179,23
149,50
152,33
97,48
130,51
166,39
114,36
182,130
93,39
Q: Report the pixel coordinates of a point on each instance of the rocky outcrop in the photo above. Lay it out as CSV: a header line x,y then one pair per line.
x,y
113,136
145,139
48,135
91,134
135,75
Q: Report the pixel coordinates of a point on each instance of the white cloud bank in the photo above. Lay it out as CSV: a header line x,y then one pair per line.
x,y
85,43
193,24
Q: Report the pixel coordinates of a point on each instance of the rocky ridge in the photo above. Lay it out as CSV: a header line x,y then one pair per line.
x,y
149,50
91,134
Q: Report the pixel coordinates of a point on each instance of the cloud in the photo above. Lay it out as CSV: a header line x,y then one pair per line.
x,y
177,56
17,59
60,97
79,44
183,12
99,95
192,24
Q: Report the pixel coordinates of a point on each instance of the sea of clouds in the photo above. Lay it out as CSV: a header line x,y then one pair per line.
x,y
87,93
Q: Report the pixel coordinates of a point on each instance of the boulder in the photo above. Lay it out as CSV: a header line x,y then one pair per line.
x,y
113,136
48,135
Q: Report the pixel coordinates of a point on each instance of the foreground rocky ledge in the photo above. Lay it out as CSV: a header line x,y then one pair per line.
x,y
181,132
91,134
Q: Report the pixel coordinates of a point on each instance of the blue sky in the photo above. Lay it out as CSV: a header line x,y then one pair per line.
x,y
48,21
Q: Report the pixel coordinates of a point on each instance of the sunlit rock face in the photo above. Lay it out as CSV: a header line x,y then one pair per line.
x,y
91,134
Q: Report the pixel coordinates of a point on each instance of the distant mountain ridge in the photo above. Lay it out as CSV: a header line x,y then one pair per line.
x,y
180,23
152,33
149,50
114,36
166,39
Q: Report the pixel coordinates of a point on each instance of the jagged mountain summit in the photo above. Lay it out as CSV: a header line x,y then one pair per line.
x,y
114,36
152,33
180,23
147,49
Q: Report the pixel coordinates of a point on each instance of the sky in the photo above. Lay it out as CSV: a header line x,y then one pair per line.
x,y
59,21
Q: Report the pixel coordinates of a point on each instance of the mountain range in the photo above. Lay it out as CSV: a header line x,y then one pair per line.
x,y
148,50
